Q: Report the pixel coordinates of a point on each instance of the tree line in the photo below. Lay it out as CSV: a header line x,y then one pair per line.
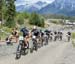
x,y
10,17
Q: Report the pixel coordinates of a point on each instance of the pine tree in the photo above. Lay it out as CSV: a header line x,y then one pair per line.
x,y
4,9
10,20
1,10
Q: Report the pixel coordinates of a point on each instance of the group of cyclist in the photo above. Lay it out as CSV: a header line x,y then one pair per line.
x,y
38,33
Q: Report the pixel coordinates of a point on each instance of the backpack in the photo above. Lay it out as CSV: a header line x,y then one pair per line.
x,y
24,31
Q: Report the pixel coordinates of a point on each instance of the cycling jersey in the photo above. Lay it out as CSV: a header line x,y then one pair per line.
x,y
25,32
69,33
35,32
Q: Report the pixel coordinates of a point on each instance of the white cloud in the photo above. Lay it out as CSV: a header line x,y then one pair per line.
x,y
29,2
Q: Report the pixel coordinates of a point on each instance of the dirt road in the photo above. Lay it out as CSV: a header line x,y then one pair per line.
x,y
50,54
59,52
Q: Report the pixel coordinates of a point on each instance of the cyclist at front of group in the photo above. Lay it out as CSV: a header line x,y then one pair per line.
x,y
25,32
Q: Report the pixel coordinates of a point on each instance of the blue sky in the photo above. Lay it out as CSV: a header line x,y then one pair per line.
x,y
20,2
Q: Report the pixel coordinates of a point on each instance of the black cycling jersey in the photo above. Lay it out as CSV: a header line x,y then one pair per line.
x,y
42,33
35,32
69,33
47,32
55,32
25,32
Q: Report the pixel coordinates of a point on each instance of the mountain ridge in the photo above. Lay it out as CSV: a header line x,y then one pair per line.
x,y
60,7
64,7
34,7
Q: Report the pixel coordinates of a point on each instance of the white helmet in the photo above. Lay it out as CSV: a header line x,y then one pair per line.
x,y
34,27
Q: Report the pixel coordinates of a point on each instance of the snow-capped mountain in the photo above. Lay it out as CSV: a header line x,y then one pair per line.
x,y
30,8
66,7
65,4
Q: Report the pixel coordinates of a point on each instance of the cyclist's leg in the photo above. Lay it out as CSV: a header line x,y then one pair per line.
x,y
17,39
26,40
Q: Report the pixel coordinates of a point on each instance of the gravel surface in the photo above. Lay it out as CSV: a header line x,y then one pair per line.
x,y
59,52
68,56
7,50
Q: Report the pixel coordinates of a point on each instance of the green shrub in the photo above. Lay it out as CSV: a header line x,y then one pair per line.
x,y
37,20
73,35
26,15
55,22
42,23
5,33
20,19
10,23
6,29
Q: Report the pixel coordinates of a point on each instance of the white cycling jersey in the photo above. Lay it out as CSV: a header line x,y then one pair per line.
x,y
21,38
